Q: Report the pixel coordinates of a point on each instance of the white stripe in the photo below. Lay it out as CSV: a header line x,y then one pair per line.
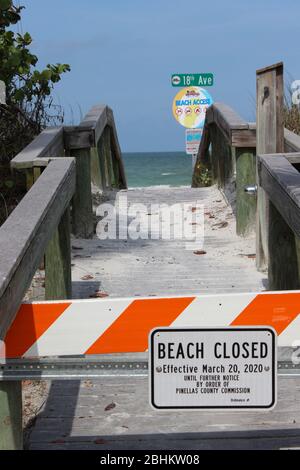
x,y
290,334
213,311
78,328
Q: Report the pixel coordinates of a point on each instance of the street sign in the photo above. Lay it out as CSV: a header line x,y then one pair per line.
x,y
192,79
232,367
189,106
192,140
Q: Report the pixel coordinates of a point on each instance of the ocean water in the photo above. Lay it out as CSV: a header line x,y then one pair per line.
x,y
158,169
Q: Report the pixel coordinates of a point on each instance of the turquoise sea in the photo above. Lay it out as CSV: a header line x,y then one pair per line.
x,y
158,169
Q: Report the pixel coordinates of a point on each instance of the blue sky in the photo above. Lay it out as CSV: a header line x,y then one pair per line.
x,y
123,52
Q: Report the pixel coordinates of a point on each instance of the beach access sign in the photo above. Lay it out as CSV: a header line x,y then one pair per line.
x,y
189,106
233,367
192,79
192,140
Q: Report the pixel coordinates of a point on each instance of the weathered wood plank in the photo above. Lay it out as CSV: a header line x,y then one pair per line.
x,y
96,119
82,208
49,143
103,147
116,151
247,138
27,231
292,141
78,137
58,282
11,430
96,171
283,271
108,156
133,424
281,181
215,148
227,119
293,157
245,204
203,156
269,68
270,139
131,267
243,138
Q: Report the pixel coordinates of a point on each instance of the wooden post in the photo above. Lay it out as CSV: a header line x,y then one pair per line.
x,y
108,156
11,428
223,159
29,178
11,422
58,281
215,148
96,174
245,176
270,139
82,208
283,272
105,158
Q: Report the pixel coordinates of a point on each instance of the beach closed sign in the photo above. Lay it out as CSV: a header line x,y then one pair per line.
x,y
189,106
217,368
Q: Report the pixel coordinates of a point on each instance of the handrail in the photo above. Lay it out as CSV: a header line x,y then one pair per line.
x,y
89,131
95,146
49,143
292,141
235,129
229,122
281,181
26,233
53,141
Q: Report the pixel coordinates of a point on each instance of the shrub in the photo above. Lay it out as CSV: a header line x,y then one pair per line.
x,y
29,105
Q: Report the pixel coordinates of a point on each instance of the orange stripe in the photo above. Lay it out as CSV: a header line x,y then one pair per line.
x,y
31,322
277,310
129,333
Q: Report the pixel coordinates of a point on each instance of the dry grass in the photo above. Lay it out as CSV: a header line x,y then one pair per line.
x,y
291,118
291,112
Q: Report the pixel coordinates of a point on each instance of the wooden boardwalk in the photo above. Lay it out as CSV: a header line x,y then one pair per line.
x,y
118,414
77,416
143,267
113,413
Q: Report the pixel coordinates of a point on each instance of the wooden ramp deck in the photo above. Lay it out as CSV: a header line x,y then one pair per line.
x,y
113,413
145,267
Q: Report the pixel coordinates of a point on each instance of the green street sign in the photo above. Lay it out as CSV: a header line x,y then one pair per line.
x,y
192,79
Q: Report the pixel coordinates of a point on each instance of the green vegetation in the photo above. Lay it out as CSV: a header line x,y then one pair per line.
x,y
291,112
202,175
292,117
29,105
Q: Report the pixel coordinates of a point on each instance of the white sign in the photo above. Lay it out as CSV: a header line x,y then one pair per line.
x,y
192,140
232,367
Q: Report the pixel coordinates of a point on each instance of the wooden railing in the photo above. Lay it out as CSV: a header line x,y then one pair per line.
x,y
60,166
281,181
95,146
229,148
231,161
